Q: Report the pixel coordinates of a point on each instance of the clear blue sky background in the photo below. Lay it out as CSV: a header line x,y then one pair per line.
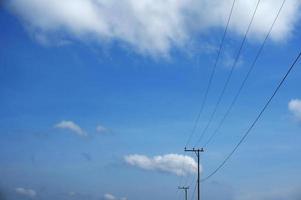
x,y
148,104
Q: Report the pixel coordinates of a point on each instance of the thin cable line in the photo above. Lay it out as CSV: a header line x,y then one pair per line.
x,y
246,78
178,194
210,80
256,119
193,193
211,77
193,180
228,78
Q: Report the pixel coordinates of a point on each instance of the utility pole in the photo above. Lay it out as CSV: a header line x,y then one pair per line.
x,y
197,152
185,189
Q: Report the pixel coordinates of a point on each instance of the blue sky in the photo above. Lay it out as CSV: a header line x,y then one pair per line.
x,y
62,76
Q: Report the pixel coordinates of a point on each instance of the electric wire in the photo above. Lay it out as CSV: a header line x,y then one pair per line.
x,y
211,77
229,77
256,119
193,193
245,79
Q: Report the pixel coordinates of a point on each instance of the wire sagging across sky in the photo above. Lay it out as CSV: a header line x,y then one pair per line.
x,y
256,119
220,124
228,78
211,77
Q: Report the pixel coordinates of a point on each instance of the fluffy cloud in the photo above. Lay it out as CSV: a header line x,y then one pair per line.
x,y
26,192
101,129
295,107
173,163
109,197
112,197
72,193
149,26
70,125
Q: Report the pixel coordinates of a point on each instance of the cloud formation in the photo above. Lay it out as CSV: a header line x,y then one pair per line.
x,y
172,163
149,26
101,129
70,125
26,192
295,107
72,193
109,197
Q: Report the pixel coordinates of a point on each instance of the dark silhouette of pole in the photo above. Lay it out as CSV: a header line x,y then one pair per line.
x,y
185,189
197,152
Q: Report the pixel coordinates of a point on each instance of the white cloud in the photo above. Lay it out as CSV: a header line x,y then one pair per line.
x,y
228,60
101,129
26,192
109,197
72,193
70,125
173,163
150,26
295,107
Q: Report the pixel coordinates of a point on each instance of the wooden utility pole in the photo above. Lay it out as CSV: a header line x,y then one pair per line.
x,y
197,152
185,189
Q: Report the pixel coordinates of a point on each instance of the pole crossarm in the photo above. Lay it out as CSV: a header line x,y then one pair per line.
x,y
183,188
194,150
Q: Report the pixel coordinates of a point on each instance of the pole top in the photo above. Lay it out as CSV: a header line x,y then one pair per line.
x,y
194,149
183,188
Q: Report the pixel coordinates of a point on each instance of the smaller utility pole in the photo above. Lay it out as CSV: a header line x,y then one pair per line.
x,y
185,189
197,152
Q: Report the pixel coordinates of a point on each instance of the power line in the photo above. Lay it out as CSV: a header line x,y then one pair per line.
x,y
256,119
246,77
190,180
211,77
229,77
193,193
